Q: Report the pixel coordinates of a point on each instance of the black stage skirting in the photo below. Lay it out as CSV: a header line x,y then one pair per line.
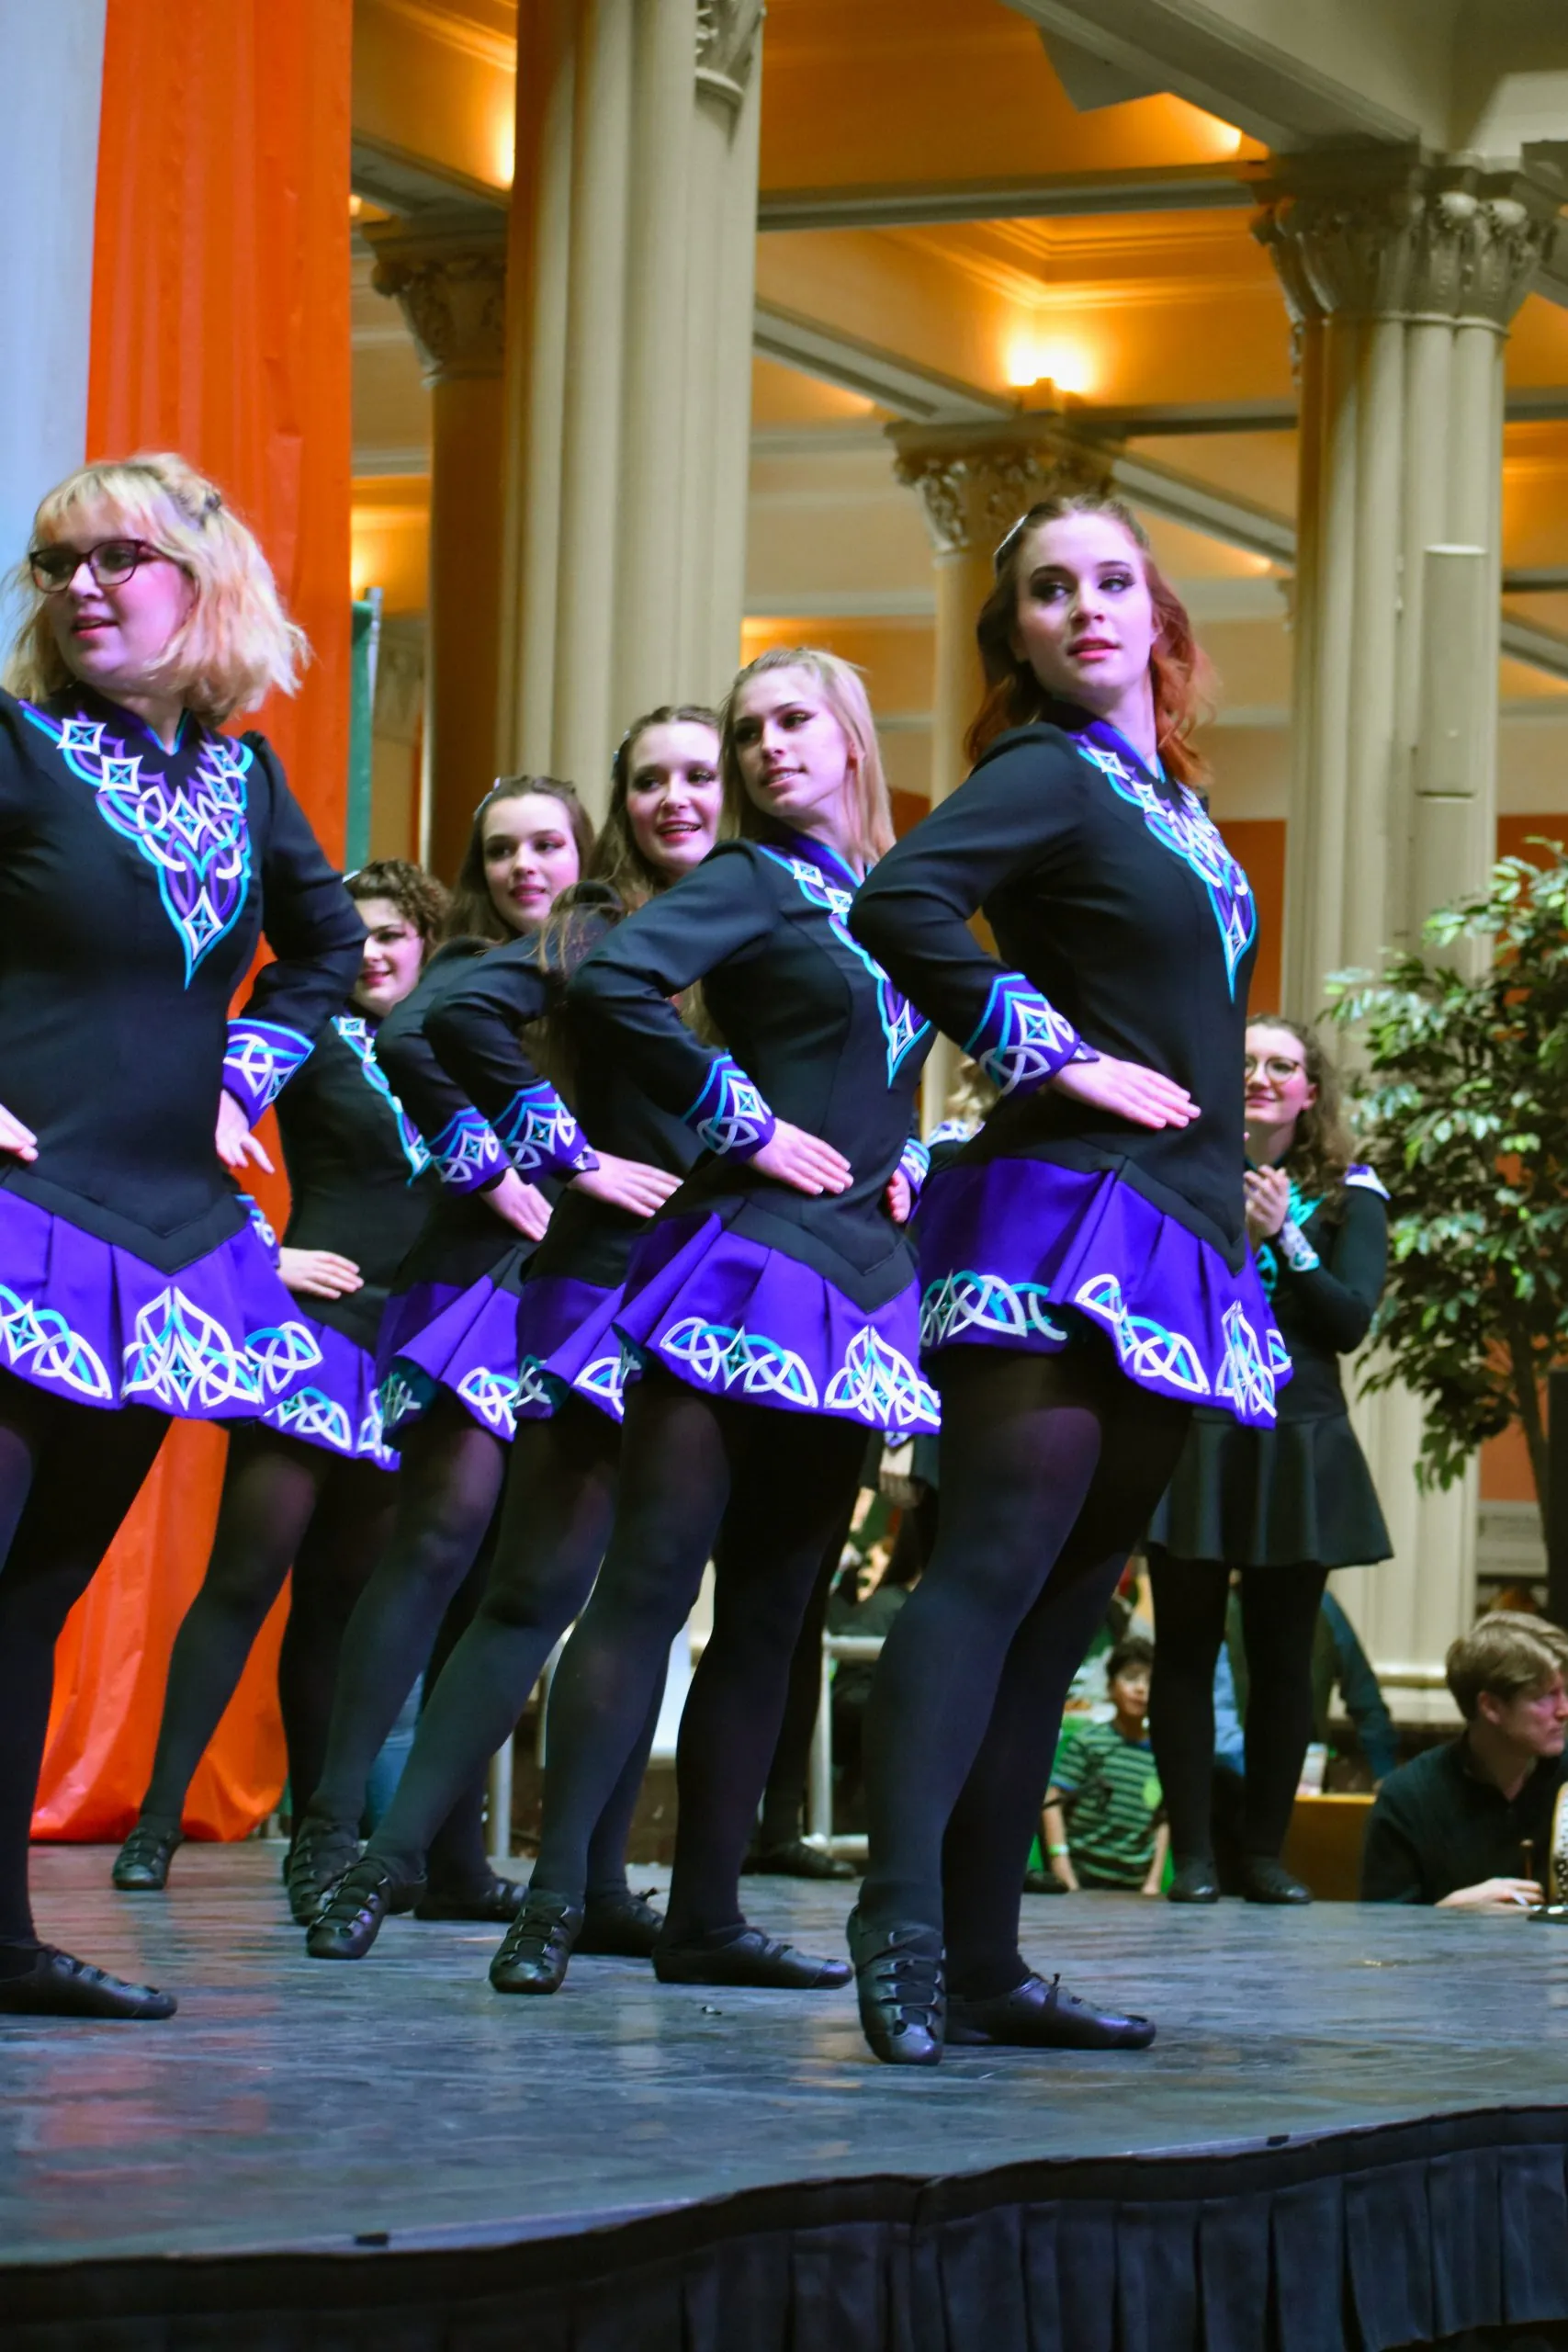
x,y
389,2156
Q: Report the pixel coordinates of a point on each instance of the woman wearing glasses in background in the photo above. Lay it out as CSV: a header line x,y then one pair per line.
x,y
1283,1505
142,855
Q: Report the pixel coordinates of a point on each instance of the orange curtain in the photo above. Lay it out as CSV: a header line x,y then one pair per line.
x,y
220,328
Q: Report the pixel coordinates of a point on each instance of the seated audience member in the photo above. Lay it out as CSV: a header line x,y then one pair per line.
x,y
1467,1825
1103,1822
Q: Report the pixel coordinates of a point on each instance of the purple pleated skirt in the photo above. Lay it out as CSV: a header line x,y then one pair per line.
x,y
435,1336
567,1344
221,1340
730,1317
338,1407
1014,1251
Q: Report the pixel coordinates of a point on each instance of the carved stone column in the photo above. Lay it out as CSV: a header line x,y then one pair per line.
x,y
974,483
449,277
1402,278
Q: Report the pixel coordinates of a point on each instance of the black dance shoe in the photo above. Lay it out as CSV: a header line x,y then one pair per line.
x,y
1045,1882
141,1865
796,1859
321,1853
538,1945
1263,1880
1194,1881
1037,2016
496,1901
58,1985
622,1926
747,1956
352,1911
900,1983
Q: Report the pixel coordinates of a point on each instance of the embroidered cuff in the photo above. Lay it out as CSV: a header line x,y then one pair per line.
x,y
915,1161
539,1134
950,1132
466,1152
1023,1040
1296,1250
729,1115
262,1057
261,1225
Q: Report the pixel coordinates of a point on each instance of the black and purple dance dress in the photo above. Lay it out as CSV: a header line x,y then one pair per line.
x,y
451,1322
741,1286
135,885
361,1181
573,1289
1123,926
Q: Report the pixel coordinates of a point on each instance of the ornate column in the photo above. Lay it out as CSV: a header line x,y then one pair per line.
x,y
973,482
449,276
1402,278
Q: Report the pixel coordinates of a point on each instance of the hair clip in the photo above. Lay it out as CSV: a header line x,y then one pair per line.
x,y
1001,554
211,503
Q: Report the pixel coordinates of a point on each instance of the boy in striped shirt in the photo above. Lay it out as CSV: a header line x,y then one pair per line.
x,y
1104,1812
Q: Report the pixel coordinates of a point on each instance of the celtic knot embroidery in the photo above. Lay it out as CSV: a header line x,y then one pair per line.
x,y
399,1400
372,1437
1189,831
195,835
282,1352
41,1340
535,1391
1021,1039
881,1386
604,1380
1146,1349
355,1034
968,1301
261,1058
316,1417
179,1355
466,1151
1246,1381
536,1131
915,1161
729,1115
492,1397
902,1027
720,1355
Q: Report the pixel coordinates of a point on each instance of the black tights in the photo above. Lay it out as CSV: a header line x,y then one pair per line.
x,y
283,1504
784,1799
1050,1468
1279,1620
555,1522
433,1565
68,1474
780,1483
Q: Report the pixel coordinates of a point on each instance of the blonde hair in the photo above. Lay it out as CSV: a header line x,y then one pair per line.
x,y
843,690
234,647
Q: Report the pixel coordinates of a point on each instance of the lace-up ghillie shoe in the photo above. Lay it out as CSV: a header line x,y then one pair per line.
x,y
321,1853
901,1987
1037,2016
1194,1879
1263,1880
59,1985
494,1901
538,1944
622,1926
352,1911
746,1956
141,1865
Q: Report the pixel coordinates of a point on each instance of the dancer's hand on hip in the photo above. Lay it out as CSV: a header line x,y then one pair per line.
x,y
1146,1097
318,1273
519,1205
804,1162
631,1184
15,1138
235,1142
899,1199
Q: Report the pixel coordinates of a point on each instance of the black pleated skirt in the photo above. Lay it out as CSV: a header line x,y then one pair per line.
x,y
1266,1498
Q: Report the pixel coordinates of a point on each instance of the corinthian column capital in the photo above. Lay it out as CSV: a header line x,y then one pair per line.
x,y
975,480
726,43
1358,235
449,274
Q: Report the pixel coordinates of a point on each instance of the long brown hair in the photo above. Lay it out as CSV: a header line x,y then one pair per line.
x,y
472,914
843,690
1323,1146
1178,668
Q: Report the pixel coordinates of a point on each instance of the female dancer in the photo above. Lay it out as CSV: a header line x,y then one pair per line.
x,y
142,855
1283,1505
307,1483
561,1482
771,1305
449,1355
1085,1268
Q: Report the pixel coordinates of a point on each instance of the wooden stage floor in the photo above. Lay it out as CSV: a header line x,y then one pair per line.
x,y
294,2109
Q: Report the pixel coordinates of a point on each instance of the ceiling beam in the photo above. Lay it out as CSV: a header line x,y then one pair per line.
x,y
878,374
400,182
1172,187
1541,649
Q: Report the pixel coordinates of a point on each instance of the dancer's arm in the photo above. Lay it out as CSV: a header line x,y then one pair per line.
x,y
466,1151
1335,1293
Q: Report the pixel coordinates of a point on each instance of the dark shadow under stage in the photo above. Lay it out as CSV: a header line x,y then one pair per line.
x,y
1352,2131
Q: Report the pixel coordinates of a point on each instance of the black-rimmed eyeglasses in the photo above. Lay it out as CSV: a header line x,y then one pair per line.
x,y
111,563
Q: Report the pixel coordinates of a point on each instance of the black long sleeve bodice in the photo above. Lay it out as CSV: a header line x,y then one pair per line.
x,y
1123,927
135,885
474,1028
814,1032
361,1178
1325,1276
